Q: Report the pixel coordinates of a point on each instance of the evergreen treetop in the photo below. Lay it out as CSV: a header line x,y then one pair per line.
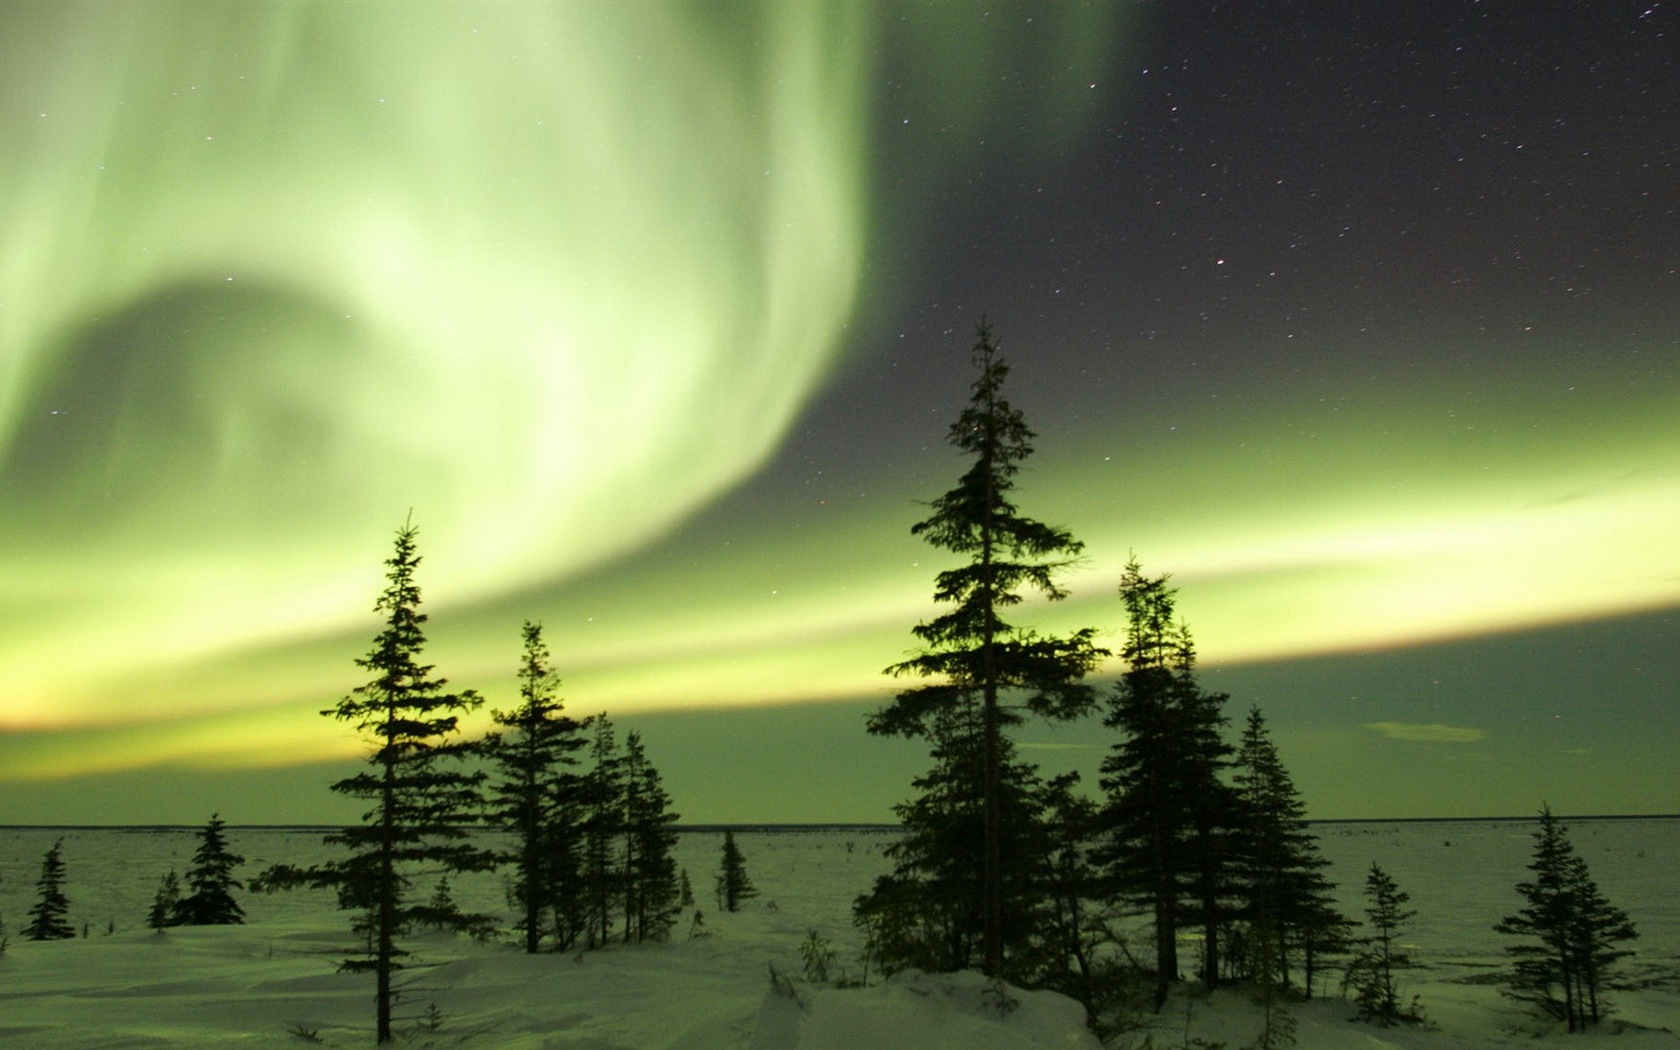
x,y
971,650
210,883
734,887
47,917
533,795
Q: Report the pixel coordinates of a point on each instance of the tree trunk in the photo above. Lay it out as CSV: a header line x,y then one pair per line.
x,y
992,874
1166,946
991,891
385,919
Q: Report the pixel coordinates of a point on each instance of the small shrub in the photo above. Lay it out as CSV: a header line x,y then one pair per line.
x,y
431,1020
998,1000
818,955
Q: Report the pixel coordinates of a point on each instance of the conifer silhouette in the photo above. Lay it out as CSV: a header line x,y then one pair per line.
x,y
210,883
168,895
47,917
984,671
534,796
1167,825
734,887
1371,972
419,797
1288,904
1575,933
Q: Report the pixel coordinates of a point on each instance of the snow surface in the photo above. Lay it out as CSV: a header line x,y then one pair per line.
x,y
272,982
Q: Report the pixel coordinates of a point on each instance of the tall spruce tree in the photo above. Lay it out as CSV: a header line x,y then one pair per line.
x,y
1166,828
210,882
47,916
1575,933
733,885
602,876
1288,904
536,798
651,887
419,794
926,913
971,654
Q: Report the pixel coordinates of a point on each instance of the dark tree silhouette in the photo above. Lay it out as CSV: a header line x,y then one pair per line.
x,y
926,913
628,843
1371,972
162,913
651,886
974,656
1075,924
733,885
210,883
419,796
1166,828
1575,933
47,920
603,825
1288,904
535,797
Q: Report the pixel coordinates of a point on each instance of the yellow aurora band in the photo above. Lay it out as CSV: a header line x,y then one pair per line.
x,y
556,276
551,275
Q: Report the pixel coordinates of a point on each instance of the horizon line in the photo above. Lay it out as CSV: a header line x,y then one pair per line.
x,y
844,825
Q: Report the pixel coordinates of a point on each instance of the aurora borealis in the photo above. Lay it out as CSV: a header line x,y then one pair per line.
x,y
1364,324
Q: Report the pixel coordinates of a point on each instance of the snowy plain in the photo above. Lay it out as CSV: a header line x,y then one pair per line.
x,y
273,983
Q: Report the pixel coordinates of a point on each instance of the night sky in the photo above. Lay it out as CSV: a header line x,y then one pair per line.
x,y
1362,320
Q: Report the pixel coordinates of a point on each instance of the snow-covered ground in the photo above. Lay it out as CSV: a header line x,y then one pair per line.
x,y
272,981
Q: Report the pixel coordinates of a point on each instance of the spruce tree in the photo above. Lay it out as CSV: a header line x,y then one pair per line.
x,y
971,654
1075,923
418,794
734,887
603,823
926,913
536,798
1575,933
47,920
651,890
210,883
1166,829
1598,928
1371,972
168,895
1288,903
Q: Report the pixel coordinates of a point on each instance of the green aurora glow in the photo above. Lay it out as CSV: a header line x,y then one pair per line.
x,y
563,277
264,267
